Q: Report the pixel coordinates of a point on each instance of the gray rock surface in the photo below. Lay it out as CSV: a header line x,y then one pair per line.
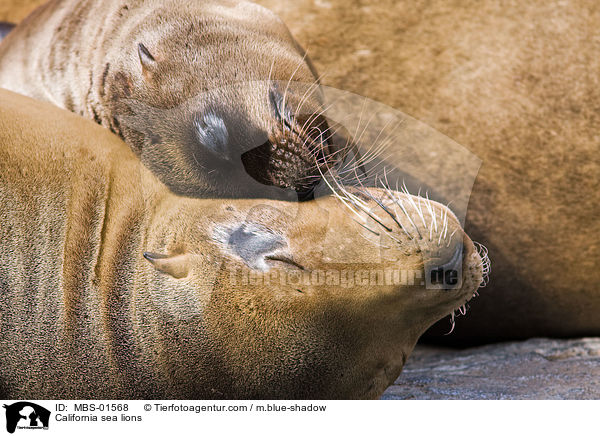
x,y
533,369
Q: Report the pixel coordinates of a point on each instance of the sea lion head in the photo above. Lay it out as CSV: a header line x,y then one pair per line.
x,y
316,299
212,101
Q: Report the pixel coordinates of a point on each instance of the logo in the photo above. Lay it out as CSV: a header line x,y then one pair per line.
x,y
26,415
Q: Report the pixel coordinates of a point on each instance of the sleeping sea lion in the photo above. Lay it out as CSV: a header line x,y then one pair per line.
x,y
217,72
111,286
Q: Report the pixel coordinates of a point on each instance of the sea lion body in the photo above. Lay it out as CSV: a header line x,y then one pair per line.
x,y
111,286
203,74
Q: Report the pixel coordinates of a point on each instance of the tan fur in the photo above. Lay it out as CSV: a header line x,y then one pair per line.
x,y
84,56
518,84
84,315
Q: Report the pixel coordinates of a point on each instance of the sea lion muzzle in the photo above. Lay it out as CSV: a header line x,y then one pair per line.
x,y
445,272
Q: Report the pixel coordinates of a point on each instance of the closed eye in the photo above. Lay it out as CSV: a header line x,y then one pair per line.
x,y
284,259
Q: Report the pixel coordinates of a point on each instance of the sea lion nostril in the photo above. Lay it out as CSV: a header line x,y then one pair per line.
x,y
455,261
446,272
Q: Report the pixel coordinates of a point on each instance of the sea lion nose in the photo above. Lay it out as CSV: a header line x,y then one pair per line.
x,y
445,270
455,262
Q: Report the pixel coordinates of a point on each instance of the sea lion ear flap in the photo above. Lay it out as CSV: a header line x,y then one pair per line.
x,y
176,266
148,62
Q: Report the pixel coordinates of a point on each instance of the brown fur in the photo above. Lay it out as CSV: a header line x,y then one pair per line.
x,y
201,58
84,315
518,84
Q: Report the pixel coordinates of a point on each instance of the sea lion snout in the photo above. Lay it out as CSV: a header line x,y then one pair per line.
x,y
446,270
420,236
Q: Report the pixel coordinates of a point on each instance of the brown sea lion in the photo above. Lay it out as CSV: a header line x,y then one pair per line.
x,y
215,71
111,286
517,83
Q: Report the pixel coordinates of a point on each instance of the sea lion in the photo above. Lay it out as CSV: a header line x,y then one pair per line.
x,y
111,286
217,72
517,84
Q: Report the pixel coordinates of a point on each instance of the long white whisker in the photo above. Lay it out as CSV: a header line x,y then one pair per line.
x,y
288,85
